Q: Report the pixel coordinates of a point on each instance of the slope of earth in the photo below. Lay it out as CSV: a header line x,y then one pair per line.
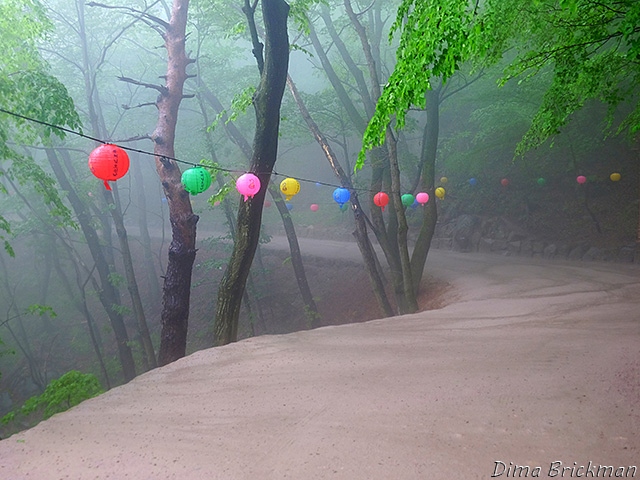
x,y
535,367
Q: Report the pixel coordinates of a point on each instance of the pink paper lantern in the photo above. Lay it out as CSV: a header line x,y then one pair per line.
x,y
581,179
422,198
314,207
248,185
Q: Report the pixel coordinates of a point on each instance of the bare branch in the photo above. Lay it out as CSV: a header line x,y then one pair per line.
x,y
145,15
140,105
160,88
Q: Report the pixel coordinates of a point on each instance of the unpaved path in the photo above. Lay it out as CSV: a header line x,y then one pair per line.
x,y
532,364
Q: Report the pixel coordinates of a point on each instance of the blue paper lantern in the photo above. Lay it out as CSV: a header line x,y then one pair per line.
x,y
341,196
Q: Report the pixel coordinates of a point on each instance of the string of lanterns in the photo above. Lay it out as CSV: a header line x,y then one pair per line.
x,y
109,162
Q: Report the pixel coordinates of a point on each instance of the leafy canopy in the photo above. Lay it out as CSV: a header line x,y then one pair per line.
x,y
28,89
592,48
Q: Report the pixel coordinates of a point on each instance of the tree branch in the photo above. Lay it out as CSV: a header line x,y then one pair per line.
x,y
142,14
160,88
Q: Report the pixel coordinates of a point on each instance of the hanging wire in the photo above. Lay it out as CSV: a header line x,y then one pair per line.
x,y
145,152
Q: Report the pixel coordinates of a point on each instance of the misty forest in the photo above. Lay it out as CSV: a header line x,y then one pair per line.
x,y
163,162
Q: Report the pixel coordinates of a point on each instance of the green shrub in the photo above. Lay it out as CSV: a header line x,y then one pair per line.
x,y
61,394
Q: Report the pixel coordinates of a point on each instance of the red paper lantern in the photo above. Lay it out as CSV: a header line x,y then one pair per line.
x,y
381,199
504,182
109,162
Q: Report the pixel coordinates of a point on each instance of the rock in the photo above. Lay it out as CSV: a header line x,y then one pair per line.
x,y
499,245
576,253
485,245
593,253
526,248
550,251
563,251
465,227
626,254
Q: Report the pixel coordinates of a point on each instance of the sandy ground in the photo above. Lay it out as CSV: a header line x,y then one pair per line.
x,y
534,363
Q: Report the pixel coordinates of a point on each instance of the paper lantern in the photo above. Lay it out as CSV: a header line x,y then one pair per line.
x,y
422,198
440,192
541,181
290,187
381,200
248,185
581,179
196,180
615,177
407,199
289,206
473,182
314,207
443,180
341,196
109,162
504,182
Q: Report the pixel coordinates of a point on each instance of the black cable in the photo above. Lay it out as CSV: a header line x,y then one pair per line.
x,y
144,152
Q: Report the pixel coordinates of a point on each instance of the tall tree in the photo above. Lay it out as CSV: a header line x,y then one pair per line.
x,y
182,251
273,65
366,73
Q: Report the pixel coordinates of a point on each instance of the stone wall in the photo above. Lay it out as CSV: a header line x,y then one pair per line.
x,y
468,233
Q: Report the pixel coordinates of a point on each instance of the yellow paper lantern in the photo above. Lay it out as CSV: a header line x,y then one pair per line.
x,y
440,193
290,187
615,177
444,180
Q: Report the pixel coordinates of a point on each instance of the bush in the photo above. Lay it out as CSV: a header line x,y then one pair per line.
x,y
61,394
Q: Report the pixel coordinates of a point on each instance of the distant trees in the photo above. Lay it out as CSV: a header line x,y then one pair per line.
x,y
350,46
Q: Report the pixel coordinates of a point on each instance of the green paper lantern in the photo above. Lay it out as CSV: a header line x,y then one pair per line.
x,y
196,180
407,199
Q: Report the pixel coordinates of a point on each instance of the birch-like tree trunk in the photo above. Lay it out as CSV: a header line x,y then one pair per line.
x,y
182,250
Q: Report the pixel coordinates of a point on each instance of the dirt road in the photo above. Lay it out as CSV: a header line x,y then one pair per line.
x,y
532,371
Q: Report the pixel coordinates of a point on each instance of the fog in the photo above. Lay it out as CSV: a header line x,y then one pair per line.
x,y
52,316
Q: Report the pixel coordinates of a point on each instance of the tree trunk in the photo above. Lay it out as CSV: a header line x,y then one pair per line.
x,y
267,101
108,295
311,310
148,355
362,237
409,304
81,305
145,237
427,182
238,139
182,250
